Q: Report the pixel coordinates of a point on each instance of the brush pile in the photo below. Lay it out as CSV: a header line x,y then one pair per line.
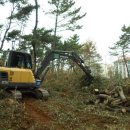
x,y
113,100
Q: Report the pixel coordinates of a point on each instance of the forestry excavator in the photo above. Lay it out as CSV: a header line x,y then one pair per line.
x,y
17,77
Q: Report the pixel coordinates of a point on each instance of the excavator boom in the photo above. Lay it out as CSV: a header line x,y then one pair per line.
x,y
57,54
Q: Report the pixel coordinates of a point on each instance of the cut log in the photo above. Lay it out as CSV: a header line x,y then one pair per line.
x,y
103,96
121,93
116,102
96,91
127,109
127,103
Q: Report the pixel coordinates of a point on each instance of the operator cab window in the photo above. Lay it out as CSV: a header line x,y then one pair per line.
x,y
19,59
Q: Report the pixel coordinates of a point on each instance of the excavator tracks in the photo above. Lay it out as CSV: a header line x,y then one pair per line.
x,y
41,94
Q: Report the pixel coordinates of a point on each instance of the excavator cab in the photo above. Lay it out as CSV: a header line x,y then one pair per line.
x,y
19,60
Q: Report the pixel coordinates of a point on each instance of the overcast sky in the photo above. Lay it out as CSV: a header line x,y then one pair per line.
x,y
102,23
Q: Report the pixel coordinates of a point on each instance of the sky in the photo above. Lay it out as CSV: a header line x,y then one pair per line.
x,y
102,23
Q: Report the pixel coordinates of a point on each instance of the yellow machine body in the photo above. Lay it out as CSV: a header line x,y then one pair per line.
x,y
15,77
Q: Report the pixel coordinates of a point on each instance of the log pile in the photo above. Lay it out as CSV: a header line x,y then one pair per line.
x,y
114,100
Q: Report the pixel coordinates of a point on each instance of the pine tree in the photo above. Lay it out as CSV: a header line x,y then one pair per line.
x,y
121,47
20,11
66,16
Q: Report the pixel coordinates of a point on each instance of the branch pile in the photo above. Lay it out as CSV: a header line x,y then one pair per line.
x,y
114,100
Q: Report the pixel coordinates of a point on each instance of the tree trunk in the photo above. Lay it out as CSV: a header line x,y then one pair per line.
x,y
35,36
34,57
125,61
55,28
121,93
53,47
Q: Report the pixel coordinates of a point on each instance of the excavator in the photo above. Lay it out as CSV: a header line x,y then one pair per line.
x,y
17,77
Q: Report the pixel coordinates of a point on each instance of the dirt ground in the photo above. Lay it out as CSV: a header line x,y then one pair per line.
x,y
59,114
66,109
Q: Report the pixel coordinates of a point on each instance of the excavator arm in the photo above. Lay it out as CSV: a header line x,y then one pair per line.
x,y
57,54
